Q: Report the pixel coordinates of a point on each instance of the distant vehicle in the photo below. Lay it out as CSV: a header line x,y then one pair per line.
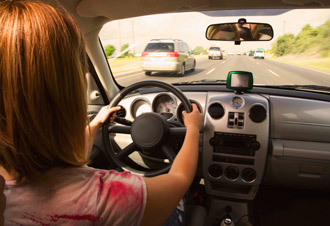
x,y
167,55
259,54
215,53
251,53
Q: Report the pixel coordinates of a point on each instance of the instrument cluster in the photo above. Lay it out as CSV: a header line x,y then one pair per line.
x,y
164,104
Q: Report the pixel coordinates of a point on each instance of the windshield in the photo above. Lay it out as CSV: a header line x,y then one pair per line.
x,y
173,48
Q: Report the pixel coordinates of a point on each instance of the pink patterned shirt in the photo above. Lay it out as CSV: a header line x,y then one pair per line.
x,y
77,196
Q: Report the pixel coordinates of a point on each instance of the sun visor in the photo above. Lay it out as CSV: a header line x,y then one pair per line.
x,y
127,8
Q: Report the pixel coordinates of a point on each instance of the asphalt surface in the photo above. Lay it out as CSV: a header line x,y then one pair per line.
x,y
265,72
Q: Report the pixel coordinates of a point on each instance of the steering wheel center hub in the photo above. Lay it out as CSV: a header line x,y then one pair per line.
x,y
149,131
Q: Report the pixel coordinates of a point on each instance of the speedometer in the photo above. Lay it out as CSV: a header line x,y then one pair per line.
x,y
165,105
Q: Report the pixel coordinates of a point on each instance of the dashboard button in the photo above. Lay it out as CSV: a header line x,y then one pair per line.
x,y
231,115
256,145
214,142
241,116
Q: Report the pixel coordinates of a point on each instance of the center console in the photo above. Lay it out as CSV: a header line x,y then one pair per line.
x,y
235,144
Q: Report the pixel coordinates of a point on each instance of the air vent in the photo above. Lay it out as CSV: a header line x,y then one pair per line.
x,y
216,111
257,113
215,171
231,173
249,175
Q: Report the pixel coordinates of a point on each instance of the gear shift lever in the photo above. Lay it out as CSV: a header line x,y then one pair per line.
x,y
227,220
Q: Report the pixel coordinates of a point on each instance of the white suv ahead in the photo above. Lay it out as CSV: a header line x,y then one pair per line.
x,y
259,54
167,55
215,53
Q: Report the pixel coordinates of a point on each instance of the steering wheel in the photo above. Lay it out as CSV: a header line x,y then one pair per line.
x,y
149,132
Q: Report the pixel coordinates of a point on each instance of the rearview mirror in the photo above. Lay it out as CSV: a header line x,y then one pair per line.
x,y
240,32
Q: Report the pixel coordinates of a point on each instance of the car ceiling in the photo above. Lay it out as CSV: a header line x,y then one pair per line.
x,y
92,14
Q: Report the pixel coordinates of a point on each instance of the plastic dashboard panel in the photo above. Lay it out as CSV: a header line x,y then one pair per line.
x,y
300,143
300,119
294,141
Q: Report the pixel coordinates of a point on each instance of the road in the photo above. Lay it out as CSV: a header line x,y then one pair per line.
x,y
265,72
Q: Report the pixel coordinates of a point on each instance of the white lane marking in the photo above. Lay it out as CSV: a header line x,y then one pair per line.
x,y
210,71
124,77
257,62
273,73
127,72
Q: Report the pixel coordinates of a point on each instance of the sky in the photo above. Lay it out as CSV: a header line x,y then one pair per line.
x,y
191,26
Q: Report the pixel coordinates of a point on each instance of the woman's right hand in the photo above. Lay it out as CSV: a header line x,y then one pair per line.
x,y
194,119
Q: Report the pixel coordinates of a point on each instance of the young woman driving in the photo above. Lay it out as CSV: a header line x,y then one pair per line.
x,y
43,114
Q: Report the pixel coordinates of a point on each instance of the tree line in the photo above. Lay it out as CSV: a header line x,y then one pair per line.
x,y
308,39
110,49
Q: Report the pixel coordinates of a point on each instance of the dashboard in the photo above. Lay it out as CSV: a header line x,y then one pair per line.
x,y
250,139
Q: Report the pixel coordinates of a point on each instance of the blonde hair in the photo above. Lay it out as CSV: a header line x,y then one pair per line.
x,y
43,108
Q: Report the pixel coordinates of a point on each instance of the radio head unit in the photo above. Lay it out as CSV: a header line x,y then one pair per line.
x,y
233,143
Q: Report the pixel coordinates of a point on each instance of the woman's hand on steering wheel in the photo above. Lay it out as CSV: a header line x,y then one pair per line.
x,y
193,120
103,115
96,123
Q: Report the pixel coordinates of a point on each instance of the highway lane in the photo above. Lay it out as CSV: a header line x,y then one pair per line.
x,y
265,72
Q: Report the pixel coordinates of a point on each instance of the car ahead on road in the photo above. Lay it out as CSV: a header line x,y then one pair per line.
x,y
264,152
259,54
215,53
251,53
165,55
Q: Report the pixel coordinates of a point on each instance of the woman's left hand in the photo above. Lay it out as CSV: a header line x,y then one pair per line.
x,y
96,123
103,114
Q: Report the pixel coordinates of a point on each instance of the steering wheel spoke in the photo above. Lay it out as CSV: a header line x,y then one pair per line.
x,y
168,151
119,129
177,131
126,151
122,121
